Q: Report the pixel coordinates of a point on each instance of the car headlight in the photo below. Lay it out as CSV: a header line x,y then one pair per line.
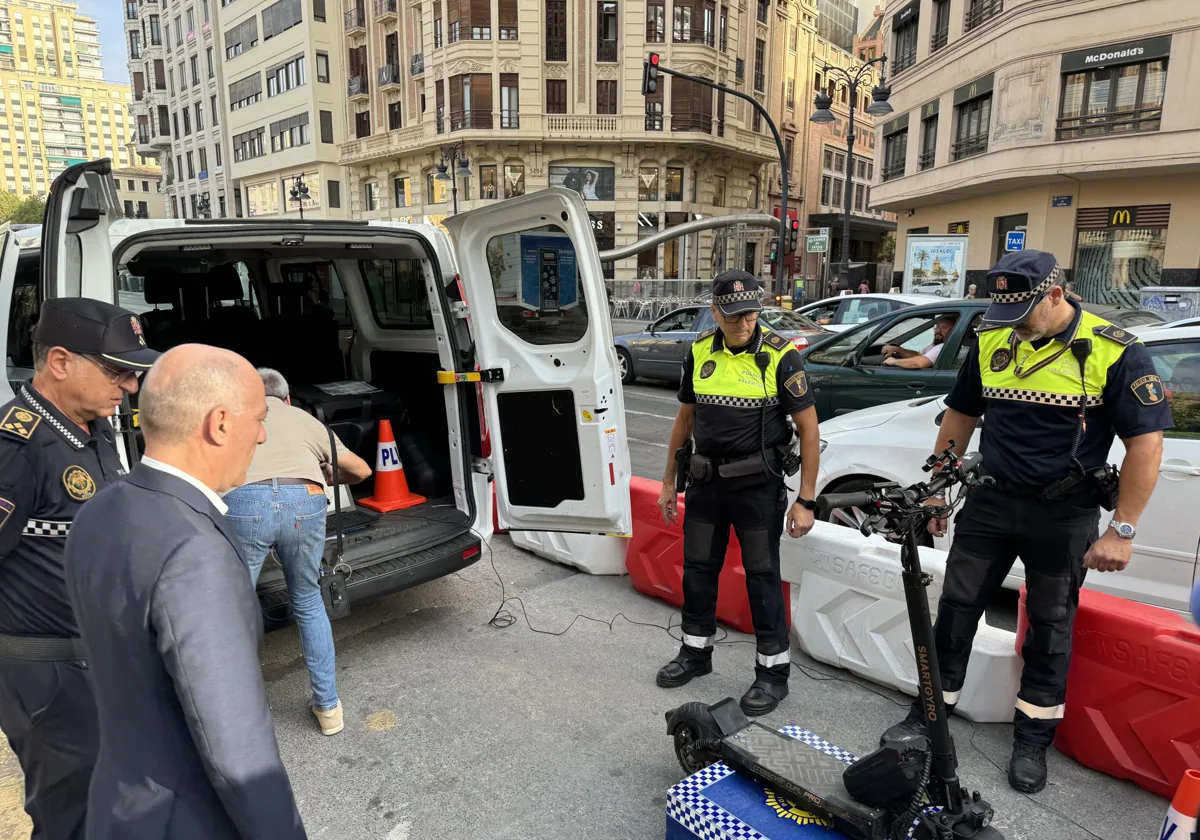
x,y
824,443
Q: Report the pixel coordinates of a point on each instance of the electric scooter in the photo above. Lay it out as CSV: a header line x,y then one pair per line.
x,y
907,788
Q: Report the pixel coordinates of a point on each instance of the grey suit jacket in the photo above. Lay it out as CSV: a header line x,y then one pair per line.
x,y
172,626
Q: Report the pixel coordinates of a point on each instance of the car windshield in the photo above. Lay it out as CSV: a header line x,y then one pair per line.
x,y
838,351
785,321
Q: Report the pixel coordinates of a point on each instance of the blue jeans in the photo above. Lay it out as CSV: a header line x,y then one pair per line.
x,y
292,520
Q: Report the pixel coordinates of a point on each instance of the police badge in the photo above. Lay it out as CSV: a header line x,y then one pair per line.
x,y
1000,359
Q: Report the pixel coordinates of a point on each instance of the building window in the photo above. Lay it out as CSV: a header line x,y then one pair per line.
x,y
971,133
403,193
370,197
245,92
941,25
187,122
764,9
691,106
334,189
654,110
319,14
362,124
507,12
895,150
859,193
791,93
656,23
436,192
648,183
510,112
281,16
487,182
718,191
248,145
980,12
291,132
1112,100
754,195
723,30
191,166
904,37
393,112
929,128
760,65
674,188
242,37
322,67
212,102
681,21
471,101
556,96
198,111
326,120
606,31
286,76
514,180
212,72
437,24
204,162
606,97
217,154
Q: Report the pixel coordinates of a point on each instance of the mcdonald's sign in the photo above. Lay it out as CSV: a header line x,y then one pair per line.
x,y
975,89
1122,217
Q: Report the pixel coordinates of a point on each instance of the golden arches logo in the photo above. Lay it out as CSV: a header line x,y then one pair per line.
x,y
784,809
1122,217
973,91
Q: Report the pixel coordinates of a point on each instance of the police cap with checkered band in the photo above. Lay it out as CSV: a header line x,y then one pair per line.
x,y
737,291
1015,285
95,328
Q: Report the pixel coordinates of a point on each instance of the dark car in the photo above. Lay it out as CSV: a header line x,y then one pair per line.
x,y
658,351
847,372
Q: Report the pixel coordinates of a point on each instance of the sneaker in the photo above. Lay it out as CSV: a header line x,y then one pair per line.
x,y
1027,768
330,720
911,727
680,670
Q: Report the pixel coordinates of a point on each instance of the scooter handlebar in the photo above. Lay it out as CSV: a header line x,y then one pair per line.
x,y
828,501
863,498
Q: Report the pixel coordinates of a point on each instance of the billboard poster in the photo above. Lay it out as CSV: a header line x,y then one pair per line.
x,y
935,265
594,183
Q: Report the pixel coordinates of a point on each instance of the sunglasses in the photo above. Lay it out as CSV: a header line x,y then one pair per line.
x,y
115,375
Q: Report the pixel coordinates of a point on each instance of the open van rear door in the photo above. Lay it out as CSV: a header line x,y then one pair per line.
x,y
552,396
9,251
76,252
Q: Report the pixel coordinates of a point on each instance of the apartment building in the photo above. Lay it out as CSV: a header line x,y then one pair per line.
x,y
139,192
1066,122
173,65
837,22
819,168
455,104
55,107
284,85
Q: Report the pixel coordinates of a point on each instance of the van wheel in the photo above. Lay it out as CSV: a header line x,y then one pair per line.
x,y
625,365
854,517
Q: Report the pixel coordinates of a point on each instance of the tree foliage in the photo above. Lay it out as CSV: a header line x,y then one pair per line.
x,y
21,211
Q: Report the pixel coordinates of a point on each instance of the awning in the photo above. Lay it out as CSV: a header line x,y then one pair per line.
x,y
858,224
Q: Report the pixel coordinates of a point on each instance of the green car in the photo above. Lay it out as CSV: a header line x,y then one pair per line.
x,y
847,372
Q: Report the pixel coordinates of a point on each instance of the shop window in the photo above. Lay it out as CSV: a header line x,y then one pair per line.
x,y
648,183
487,181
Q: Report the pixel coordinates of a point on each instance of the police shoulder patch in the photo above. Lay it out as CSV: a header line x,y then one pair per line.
x,y
20,422
774,339
6,509
707,333
1114,333
796,384
1148,390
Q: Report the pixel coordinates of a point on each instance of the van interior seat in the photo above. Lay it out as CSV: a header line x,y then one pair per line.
x,y
160,288
234,327
300,338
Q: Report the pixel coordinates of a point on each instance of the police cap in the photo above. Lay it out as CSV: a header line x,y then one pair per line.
x,y
1015,285
737,291
95,328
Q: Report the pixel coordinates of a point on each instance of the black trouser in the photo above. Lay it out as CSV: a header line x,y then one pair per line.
x,y
1051,538
48,713
755,507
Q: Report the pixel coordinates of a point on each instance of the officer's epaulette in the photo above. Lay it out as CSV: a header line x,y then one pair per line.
x,y
774,339
19,422
1114,333
708,333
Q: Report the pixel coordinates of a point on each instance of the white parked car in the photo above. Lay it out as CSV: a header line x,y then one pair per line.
x,y
891,442
845,311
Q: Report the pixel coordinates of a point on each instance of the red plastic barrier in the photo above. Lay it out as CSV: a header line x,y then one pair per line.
x,y
655,560
1133,691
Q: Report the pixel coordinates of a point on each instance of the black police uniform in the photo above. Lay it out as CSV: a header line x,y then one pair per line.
x,y
1031,395
728,387
49,467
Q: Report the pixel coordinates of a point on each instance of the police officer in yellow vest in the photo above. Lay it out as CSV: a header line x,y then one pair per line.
x,y
1057,384
740,384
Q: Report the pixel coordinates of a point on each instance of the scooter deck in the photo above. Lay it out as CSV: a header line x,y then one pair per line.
x,y
807,775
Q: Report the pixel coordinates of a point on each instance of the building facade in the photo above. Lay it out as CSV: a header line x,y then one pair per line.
x,y
55,107
837,22
284,85
139,192
521,96
869,43
1063,127
173,66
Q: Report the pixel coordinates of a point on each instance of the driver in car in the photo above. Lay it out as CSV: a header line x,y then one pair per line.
x,y
896,356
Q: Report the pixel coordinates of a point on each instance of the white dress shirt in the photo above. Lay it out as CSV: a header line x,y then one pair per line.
x,y
195,482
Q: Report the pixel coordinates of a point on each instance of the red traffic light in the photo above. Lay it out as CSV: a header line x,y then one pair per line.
x,y
654,59
795,224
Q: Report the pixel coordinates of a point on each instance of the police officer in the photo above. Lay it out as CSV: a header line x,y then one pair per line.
x,y
1057,383
740,384
56,451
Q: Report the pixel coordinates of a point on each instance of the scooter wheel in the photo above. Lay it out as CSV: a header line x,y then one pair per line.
x,y
694,728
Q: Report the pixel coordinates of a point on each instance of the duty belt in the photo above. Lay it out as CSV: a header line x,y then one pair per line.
x,y
704,468
42,648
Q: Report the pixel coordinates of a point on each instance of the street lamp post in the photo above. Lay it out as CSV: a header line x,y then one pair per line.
x,y
879,107
452,159
298,193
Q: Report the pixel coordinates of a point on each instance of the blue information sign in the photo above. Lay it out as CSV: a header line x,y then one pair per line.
x,y
1015,240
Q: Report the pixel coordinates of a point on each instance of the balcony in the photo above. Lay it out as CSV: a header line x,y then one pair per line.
x,y
1118,122
388,76
694,36
416,64
970,147
581,125
356,22
357,88
980,12
925,161
475,118
556,50
892,170
904,60
606,51
386,10
939,39
510,118
692,122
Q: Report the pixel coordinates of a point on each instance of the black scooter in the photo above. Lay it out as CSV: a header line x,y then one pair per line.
x,y
905,789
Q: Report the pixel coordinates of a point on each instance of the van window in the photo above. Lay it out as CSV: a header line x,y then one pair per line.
x,y
539,297
322,288
23,314
397,292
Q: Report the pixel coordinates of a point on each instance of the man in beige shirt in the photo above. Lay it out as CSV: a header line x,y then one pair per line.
x,y
282,505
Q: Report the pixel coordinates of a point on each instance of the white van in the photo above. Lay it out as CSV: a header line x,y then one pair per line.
x,y
370,321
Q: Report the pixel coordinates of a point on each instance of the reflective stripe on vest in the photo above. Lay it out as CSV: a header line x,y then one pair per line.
x,y
733,380
1056,383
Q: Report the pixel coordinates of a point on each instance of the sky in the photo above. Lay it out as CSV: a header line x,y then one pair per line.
x,y
108,14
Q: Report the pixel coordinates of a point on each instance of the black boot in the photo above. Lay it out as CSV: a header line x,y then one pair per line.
x,y
1027,768
762,697
689,663
912,726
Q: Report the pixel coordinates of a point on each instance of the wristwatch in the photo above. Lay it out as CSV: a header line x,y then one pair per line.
x,y
1124,530
805,503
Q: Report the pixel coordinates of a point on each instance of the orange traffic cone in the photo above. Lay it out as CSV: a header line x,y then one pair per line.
x,y
391,488
1181,815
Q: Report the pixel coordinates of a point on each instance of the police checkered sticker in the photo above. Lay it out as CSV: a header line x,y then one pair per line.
x,y
1040,397
735,402
46,528
737,297
1018,297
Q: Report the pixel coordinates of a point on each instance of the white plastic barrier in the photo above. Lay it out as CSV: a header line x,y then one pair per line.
x,y
848,609
590,553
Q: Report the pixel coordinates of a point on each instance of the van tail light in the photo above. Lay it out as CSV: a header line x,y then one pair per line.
x,y
800,342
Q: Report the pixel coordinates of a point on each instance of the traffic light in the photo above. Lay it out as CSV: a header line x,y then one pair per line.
x,y
793,235
650,75
774,248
